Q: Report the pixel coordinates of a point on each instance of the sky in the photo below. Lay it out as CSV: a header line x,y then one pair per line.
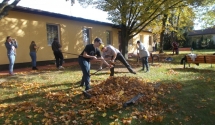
x,y
64,7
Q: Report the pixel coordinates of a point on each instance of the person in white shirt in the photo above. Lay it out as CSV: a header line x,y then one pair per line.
x,y
153,46
144,55
110,52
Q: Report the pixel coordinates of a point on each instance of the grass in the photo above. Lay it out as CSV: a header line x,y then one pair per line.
x,y
54,97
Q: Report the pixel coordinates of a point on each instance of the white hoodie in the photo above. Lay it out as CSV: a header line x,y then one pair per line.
x,y
143,52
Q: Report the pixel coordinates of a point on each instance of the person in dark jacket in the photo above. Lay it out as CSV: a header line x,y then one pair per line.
x,y
11,46
33,48
56,47
90,53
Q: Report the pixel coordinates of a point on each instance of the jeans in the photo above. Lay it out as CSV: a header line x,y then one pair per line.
x,y
145,63
11,58
58,58
123,61
85,67
176,50
153,49
33,59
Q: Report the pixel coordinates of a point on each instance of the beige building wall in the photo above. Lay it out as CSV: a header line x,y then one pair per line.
x,y
26,27
145,37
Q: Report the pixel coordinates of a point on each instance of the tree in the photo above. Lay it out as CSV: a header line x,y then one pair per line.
x,y
5,7
134,16
173,25
206,15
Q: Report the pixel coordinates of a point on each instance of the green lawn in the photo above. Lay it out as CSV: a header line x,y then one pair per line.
x,y
52,97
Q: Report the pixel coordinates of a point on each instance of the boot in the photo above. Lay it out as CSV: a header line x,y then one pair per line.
x,y
34,68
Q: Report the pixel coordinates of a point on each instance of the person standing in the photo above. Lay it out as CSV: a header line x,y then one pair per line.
x,y
153,46
33,49
90,53
56,47
144,55
11,46
114,54
175,48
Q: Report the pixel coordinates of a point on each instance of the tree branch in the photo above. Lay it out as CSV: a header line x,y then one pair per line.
x,y
7,8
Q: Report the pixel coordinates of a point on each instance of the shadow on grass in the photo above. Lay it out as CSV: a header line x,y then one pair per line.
x,y
26,97
195,98
194,70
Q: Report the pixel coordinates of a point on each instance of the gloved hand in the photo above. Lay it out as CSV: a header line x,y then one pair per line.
x,y
110,66
100,68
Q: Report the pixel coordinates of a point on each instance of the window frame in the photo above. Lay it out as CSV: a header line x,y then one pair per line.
x,y
110,37
58,32
89,31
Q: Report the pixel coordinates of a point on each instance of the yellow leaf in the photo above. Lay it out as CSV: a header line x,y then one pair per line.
x,y
144,116
114,123
104,114
121,92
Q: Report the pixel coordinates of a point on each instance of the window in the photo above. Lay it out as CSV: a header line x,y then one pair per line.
x,y
52,32
108,37
86,35
150,40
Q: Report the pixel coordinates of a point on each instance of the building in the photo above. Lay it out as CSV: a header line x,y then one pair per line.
x,y
203,38
26,25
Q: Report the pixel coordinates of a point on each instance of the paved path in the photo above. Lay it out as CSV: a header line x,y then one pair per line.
x,y
46,67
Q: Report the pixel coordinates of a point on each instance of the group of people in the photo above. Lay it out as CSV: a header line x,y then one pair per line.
x,y
91,52
109,53
12,44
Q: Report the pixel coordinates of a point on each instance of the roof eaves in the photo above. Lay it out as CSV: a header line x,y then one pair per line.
x,y
57,15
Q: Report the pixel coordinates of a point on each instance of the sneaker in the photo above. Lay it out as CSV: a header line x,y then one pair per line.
x,y
87,95
61,67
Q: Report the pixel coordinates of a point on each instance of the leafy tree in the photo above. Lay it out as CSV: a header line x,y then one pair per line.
x,y
5,7
174,25
206,16
134,16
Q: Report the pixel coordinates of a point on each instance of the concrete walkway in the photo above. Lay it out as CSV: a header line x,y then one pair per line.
x,y
46,67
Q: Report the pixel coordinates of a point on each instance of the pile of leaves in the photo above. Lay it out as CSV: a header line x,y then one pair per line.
x,y
112,93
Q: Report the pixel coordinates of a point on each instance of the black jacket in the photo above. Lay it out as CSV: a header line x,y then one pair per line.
x,y
56,46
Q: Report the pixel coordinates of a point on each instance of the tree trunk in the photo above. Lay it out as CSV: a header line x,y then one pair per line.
x,y
162,32
124,41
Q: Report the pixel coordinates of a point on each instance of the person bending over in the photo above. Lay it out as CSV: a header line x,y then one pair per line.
x,y
110,52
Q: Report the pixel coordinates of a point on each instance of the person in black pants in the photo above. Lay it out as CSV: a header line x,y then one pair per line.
x,y
56,47
90,53
113,53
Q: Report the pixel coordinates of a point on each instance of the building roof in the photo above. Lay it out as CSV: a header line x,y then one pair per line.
x,y
57,15
202,32
62,16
